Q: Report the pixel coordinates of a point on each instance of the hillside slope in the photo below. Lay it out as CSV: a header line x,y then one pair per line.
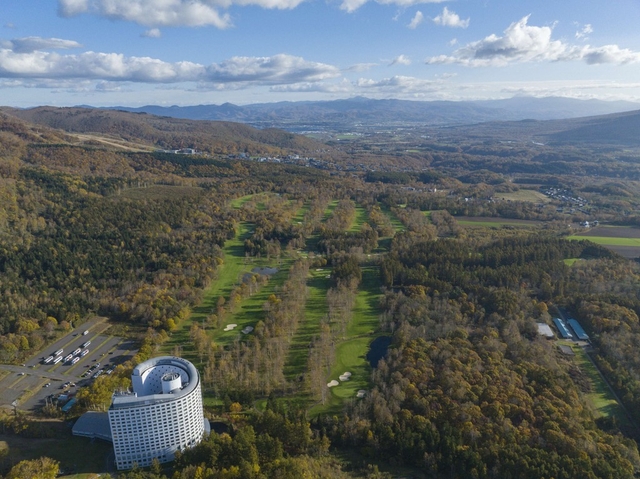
x,y
170,133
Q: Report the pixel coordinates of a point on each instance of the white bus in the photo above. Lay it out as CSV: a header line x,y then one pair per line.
x,y
57,360
58,352
48,360
84,353
84,345
75,360
77,351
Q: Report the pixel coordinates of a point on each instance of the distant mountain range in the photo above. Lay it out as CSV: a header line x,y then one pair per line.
x,y
621,129
362,112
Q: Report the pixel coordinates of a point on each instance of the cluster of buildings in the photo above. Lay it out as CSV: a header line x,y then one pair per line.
x,y
571,329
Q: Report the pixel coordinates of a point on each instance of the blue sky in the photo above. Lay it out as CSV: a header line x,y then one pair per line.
x,y
187,52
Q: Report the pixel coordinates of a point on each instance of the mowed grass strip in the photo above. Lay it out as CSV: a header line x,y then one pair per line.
x,y
395,222
329,210
238,202
250,311
299,217
315,309
247,313
600,398
351,353
608,240
360,218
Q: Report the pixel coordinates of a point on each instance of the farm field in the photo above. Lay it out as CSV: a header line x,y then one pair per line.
x,y
623,240
531,196
489,222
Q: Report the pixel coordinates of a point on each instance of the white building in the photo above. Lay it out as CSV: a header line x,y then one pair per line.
x,y
162,415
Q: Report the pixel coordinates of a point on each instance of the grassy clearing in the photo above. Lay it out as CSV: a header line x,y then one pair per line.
x,y
351,353
531,196
359,220
608,241
329,210
571,261
229,274
492,224
315,309
395,222
600,398
299,217
238,202
250,310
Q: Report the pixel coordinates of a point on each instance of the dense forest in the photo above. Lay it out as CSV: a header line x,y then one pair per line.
x,y
467,387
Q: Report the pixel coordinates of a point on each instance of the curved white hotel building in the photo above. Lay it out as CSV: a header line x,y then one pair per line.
x,y
162,415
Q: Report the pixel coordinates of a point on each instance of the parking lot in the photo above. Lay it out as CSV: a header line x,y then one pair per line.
x,y
28,386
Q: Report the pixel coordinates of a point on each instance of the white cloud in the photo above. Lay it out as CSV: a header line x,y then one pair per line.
x,y
453,42
584,32
113,67
352,5
524,43
31,44
167,13
315,87
278,69
417,19
360,67
450,19
401,60
399,85
152,33
608,54
69,8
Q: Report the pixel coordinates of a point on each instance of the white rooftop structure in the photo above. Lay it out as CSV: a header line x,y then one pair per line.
x,y
163,413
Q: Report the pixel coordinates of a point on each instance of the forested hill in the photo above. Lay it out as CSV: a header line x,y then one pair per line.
x,y
170,133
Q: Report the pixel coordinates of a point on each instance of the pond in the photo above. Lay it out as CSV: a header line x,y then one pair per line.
x,y
265,271
378,350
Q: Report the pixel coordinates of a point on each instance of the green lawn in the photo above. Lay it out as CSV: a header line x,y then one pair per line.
x,y
315,309
351,353
238,202
492,224
395,222
299,217
359,220
605,240
570,261
229,274
600,398
329,210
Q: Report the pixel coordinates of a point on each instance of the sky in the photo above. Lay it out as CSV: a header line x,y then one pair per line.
x,y
193,52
